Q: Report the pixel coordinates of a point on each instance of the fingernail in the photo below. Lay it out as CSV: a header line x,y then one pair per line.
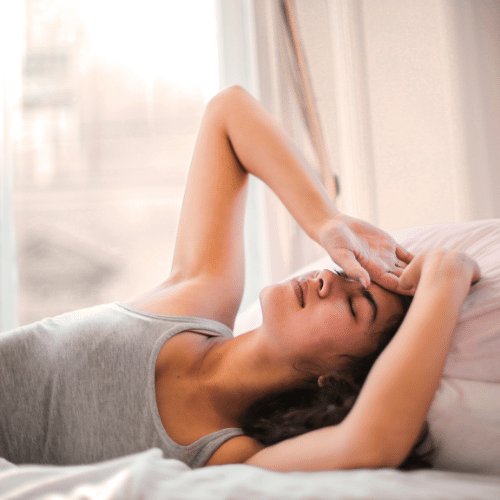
x,y
363,281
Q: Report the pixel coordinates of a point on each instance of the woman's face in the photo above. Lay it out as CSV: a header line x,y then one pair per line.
x,y
322,316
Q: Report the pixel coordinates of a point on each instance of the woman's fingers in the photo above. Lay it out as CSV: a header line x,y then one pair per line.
x,y
389,279
397,271
378,266
436,264
476,275
379,272
365,252
385,273
348,262
403,255
411,274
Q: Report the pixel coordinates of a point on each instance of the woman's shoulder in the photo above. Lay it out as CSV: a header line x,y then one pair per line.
x,y
193,323
203,296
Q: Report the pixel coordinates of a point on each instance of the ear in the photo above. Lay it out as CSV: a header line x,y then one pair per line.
x,y
322,381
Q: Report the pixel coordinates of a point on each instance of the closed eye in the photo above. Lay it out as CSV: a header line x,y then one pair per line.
x,y
341,273
351,307
368,296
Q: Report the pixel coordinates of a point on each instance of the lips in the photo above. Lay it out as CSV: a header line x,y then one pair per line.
x,y
298,292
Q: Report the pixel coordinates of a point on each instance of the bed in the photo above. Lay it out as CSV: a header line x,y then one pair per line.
x,y
464,421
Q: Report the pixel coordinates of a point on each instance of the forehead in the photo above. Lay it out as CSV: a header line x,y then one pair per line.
x,y
389,305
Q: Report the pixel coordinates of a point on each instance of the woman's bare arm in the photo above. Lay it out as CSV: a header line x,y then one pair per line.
x,y
239,137
388,415
361,249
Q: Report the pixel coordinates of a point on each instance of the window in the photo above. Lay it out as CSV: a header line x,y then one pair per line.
x,y
112,97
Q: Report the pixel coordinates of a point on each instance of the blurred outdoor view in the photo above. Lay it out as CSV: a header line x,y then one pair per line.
x,y
113,94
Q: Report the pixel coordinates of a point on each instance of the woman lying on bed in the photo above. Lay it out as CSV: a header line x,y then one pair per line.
x,y
163,369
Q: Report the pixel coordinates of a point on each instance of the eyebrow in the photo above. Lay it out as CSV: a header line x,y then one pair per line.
x,y
372,302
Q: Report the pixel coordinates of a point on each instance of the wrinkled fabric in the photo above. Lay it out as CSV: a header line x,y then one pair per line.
x,y
148,475
80,388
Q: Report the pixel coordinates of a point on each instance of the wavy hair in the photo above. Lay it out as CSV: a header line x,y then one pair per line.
x,y
295,411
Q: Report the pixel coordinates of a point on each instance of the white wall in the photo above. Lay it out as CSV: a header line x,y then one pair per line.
x,y
474,33
419,175
409,97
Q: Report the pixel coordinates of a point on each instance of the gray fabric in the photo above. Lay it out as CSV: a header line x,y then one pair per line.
x,y
79,388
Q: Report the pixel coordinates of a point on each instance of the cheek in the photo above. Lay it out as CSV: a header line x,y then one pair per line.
x,y
324,336
339,334
332,320
271,303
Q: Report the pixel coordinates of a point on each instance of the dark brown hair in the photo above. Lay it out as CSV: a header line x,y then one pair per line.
x,y
283,415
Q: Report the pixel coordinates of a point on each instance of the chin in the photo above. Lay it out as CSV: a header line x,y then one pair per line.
x,y
264,297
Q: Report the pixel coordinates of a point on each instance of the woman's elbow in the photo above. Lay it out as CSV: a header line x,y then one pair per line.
x,y
388,456
229,96
378,454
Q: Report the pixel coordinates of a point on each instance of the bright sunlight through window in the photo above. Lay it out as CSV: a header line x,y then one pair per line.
x,y
169,40
112,98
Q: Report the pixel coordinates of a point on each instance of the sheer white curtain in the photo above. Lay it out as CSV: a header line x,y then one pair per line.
x,y
7,244
11,44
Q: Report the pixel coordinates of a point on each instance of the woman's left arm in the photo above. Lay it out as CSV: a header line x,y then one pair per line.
x,y
239,137
361,249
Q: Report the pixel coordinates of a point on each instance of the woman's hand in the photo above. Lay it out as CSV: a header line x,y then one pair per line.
x,y
437,265
365,252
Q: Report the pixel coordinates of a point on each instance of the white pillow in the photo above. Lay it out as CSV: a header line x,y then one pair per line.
x,y
475,352
464,422
465,416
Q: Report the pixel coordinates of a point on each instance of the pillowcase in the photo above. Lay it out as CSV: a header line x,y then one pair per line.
x,y
464,417
475,351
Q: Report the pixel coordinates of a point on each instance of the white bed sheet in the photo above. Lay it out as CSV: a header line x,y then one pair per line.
x,y
148,475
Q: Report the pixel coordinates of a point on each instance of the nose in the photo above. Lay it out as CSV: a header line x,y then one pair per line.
x,y
329,281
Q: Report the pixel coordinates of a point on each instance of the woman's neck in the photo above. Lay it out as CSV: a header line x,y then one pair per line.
x,y
237,372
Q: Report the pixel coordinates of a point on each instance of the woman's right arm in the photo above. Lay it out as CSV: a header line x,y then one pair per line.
x,y
388,415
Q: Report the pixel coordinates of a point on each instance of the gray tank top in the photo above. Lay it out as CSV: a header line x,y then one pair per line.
x,y
80,388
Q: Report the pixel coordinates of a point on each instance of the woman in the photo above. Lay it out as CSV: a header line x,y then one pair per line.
x,y
162,370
